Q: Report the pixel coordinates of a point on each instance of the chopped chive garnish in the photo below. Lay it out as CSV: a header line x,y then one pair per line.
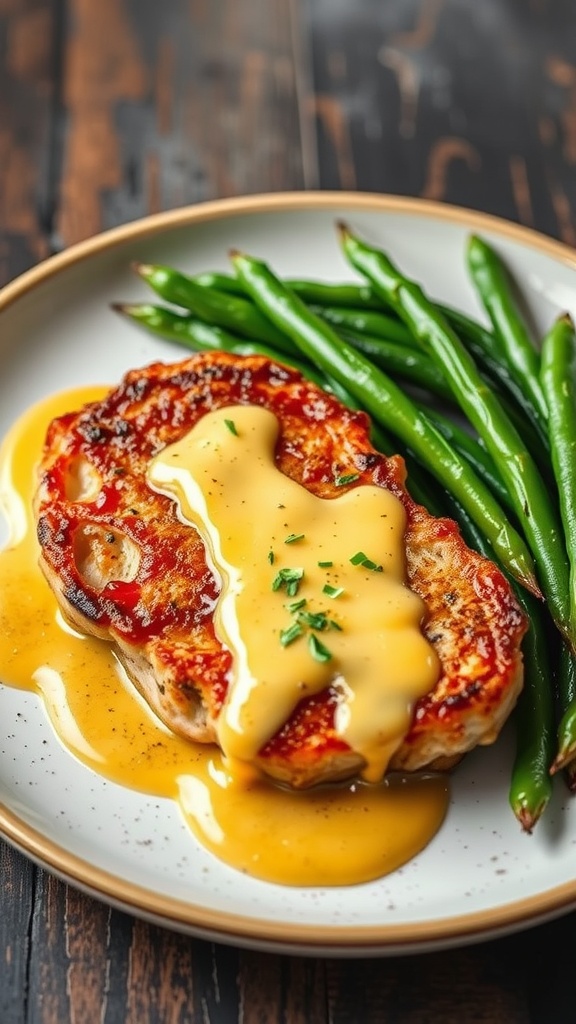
x,y
361,559
271,557
335,625
325,565
293,537
318,651
231,427
347,478
315,620
332,591
288,578
289,635
296,606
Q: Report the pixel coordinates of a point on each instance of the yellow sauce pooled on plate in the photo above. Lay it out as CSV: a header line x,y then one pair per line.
x,y
335,835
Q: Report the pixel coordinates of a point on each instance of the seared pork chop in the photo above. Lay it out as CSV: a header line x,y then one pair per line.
x,y
125,568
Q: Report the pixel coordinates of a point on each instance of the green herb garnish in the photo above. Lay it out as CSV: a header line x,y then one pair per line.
x,y
317,649
331,591
289,635
231,427
325,565
293,537
347,478
361,559
288,578
314,620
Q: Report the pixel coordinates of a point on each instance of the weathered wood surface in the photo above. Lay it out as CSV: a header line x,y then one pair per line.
x,y
115,109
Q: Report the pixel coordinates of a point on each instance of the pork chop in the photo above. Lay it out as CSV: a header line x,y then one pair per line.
x,y
124,567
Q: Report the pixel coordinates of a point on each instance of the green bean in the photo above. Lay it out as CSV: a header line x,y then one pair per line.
x,y
355,326
322,293
474,453
566,748
480,344
479,339
215,280
410,364
530,786
531,782
369,321
325,293
494,287
179,327
534,509
387,404
483,346
227,311
558,375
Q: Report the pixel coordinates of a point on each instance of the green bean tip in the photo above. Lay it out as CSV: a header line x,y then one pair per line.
x,y
343,230
529,817
142,269
565,757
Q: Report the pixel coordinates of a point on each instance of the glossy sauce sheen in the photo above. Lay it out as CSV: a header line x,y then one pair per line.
x,y
332,836
257,523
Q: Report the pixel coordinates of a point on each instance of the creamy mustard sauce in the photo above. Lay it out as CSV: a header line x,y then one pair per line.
x,y
335,835
257,524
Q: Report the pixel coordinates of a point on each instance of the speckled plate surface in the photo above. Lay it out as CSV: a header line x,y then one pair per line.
x,y
480,876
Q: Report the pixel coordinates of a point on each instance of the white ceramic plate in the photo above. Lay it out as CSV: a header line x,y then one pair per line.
x,y
480,876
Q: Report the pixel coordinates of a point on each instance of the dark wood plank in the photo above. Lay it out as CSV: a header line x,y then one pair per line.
x,y
450,101
281,988
17,902
27,91
27,88
168,104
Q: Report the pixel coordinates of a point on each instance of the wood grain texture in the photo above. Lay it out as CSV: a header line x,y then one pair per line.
x,y
469,103
17,896
114,109
27,77
168,104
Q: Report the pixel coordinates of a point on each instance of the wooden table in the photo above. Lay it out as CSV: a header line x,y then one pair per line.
x,y
113,109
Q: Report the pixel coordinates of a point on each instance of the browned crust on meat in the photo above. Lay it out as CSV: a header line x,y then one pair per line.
x,y
123,567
